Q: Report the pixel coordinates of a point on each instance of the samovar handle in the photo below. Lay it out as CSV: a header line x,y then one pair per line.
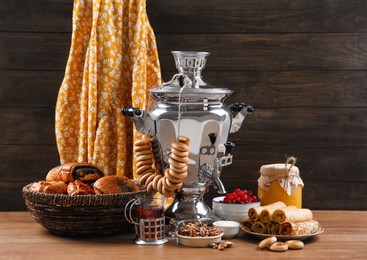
x,y
140,118
242,110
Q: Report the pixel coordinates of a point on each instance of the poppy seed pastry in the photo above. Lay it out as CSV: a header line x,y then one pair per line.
x,y
50,187
79,188
114,184
70,172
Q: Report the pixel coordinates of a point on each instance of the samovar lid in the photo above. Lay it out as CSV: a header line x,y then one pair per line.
x,y
188,84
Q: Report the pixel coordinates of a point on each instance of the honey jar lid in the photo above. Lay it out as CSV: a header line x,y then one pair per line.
x,y
278,169
287,174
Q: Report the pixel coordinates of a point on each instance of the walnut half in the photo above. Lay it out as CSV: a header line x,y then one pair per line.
x,y
221,245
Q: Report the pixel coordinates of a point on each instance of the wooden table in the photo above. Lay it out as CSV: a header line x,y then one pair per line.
x,y
345,237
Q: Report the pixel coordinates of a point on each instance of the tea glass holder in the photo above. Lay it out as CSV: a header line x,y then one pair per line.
x,y
149,221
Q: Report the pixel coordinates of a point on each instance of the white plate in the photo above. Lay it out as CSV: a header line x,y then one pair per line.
x,y
197,241
281,237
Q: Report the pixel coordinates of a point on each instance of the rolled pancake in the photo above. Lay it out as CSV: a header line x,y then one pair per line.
x,y
247,224
266,214
272,228
258,227
290,214
299,228
254,212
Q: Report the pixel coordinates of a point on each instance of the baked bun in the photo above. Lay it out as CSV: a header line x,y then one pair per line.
x,y
70,172
51,187
79,188
114,184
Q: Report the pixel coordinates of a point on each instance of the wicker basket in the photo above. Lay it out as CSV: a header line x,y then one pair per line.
x,y
79,215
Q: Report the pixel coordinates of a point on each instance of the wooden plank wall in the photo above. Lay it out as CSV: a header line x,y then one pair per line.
x,y
302,64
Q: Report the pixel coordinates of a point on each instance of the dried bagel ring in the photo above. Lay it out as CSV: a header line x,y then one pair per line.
x,y
167,192
143,152
148,171
160,186
278,246
143,178
295,244
173,186
183,159
267,242
180,146
155,181
177,164
149,179
171,177
142,163
183,139
179,170
180,153
142,148
143,169
150,188
142,141
144,157
178,175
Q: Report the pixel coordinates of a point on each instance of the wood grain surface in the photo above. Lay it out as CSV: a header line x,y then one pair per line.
x,y
202,17
344,237
295,51
301,64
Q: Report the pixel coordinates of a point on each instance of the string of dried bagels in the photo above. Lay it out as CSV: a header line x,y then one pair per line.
x,y
153,174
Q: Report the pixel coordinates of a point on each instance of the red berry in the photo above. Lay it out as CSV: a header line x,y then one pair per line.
x,y
226,200
243,199
240,193
239,196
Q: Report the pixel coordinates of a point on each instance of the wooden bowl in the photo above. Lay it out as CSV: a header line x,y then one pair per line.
x,y
80,215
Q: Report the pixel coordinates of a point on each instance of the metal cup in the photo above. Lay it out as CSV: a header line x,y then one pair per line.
x,y
149,221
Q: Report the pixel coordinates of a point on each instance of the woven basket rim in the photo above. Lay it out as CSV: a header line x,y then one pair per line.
x,y
65,200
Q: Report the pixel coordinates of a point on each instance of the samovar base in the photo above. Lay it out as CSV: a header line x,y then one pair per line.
x,y
188,205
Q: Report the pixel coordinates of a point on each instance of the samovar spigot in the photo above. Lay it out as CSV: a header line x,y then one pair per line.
x,y
216,177
225,160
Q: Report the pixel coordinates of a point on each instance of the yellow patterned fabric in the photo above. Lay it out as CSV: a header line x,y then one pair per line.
x,y
113,60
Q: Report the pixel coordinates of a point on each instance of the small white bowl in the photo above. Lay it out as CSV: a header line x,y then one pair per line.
x,y
230,229
230,211
197,241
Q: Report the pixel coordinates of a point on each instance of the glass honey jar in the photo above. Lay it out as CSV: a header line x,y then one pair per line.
x,y
280,182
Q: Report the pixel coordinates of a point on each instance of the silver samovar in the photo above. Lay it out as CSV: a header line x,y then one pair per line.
x,y
190,107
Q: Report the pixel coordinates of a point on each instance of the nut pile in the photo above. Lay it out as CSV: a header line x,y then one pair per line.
x,y
221,245
198,229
